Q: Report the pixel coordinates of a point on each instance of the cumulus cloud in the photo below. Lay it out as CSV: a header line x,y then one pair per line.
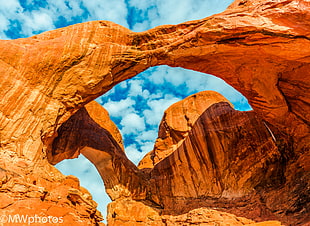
x,y
159,12
194,82
135,87
4,23
135,155
32,17
156,109
66,9
142,5
8,12
132,124
120,108
115,11
38,20
149,135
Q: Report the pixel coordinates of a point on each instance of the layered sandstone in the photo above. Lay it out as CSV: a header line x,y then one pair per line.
x,y
96,137
177,121
140,214
259,47
36,193
216,166
227,156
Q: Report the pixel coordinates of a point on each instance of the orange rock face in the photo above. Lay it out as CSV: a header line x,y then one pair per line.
x,y
142,214
251,164
36,193
177,121
215,166
95,136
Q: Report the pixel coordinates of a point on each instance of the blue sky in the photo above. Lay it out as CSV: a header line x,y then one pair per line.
x,y
135,105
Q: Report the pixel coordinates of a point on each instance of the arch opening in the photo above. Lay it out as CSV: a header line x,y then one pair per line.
x,y
89,178
136,106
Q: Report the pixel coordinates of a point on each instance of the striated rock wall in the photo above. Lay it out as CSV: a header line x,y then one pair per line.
x,y
260,48
94,137
227,154
257,163
177,121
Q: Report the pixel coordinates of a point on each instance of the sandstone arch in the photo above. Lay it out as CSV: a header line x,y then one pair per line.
x,y
258,47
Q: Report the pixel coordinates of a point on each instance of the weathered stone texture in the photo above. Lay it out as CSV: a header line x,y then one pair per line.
x,y
177,121
252,164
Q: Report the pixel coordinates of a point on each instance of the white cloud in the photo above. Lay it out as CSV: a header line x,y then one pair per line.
x,y
120,108
4,24
9,7
195,82
149,135
157,108
141,26
123,85
134,155
211,82
158,76
135,87
115,11
8,11
66,9
145,94
146,147
142,5
161,12
132,124
36,21
177,77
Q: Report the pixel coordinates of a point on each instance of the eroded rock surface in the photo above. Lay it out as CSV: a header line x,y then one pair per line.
x,y
177,121
95,136
140,214
37,193
224,162
259,47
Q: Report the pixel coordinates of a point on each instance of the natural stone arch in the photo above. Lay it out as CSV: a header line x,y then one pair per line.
x,y
81,62
53,75
89,132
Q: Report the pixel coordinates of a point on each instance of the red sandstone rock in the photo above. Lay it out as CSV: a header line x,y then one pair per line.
x,y
177,121
253,46
138,213
95,136
259,47
227,156
40,192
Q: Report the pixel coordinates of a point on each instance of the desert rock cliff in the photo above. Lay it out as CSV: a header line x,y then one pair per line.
x,y
250,164
177,121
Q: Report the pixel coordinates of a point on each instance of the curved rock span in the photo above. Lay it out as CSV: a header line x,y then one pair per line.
x,y
251,164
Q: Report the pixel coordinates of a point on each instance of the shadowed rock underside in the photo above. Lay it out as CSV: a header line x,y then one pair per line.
x,y
248,164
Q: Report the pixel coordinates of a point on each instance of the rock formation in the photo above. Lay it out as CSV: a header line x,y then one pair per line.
x,y
257,162
225,156
177,122
94,135
216,161
37,193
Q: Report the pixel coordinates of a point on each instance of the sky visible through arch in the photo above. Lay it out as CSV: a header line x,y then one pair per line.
x,y
135,105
